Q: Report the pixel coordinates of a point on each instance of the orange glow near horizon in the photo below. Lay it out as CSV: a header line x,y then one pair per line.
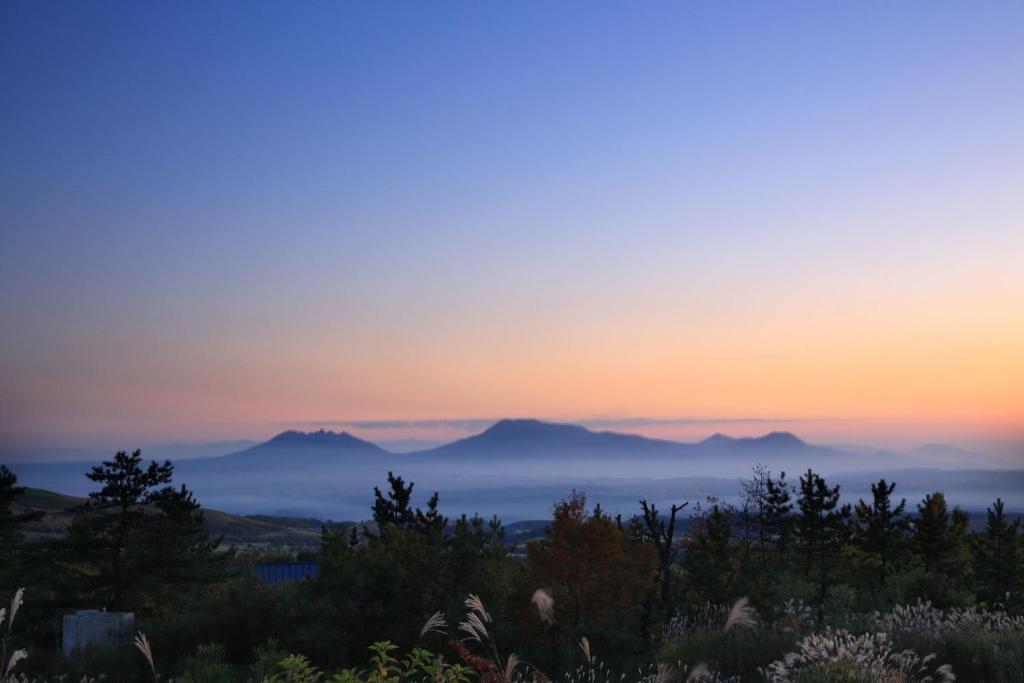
x,y
691,211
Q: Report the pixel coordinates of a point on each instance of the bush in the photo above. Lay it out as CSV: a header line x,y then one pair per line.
x,y
739,653
992,657
841,656
207,665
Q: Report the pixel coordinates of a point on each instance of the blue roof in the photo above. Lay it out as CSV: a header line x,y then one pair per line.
x,y
283,572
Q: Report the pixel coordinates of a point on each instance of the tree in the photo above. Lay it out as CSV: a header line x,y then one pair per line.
x,y
388,582
138,540
998,556
940,541
395,510
765,528
662,535
879,532
777,517
476,560
822,530
754,500
11,539
180,547
596,575
710,560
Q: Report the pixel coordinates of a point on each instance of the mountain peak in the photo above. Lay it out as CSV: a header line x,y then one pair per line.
x,y
527,427
718,438
321,437
512,423
781,439
525,436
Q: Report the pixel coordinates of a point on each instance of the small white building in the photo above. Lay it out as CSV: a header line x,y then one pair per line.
x,y
94,628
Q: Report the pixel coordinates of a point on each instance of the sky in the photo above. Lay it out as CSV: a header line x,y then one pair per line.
x,y
219,218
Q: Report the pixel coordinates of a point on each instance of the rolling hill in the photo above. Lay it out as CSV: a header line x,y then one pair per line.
x,y
255,533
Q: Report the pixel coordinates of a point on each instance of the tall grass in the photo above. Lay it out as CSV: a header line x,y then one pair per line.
x,y
839,655
711,643
7,663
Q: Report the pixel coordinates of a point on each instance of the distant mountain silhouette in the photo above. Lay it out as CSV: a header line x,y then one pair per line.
x,y
772,440
551,442
295,449
322,438
718,439
525,437
520,466
516,440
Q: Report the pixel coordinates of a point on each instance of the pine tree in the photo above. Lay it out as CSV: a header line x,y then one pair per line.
x,y
138,540
395,510
766,528
940,541
880,531
180,547
754,496
998,556
779,521
822,530
391,578
11,538
710,559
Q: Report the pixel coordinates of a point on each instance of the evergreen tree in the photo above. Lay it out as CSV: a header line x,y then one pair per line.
x,y
880,532
822,530
754,497
765,526
386,583
180,547
138,540
998,557
474,548
11,539
710,559
777,517
395,510
940,541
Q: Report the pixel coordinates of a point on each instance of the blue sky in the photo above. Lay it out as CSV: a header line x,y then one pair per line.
x,y
217,215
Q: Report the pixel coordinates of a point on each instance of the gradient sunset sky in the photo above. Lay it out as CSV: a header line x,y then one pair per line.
x,y
219,219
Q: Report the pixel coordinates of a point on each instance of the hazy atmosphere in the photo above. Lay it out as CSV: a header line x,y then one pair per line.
x,y
524,342
217,225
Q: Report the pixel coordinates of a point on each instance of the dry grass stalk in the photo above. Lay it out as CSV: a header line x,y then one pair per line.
x,y
16,657
435,624
474,628
475,604
697,673
509,671
585,646
8,664
16,602
142,643
545,605
741,614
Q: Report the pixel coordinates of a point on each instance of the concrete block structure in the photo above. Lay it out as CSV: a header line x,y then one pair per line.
x,y
94,628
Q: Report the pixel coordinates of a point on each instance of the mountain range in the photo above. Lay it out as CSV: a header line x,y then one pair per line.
x,y
515,467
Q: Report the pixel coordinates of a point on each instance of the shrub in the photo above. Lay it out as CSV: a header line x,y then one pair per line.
x,y
208,665
841,656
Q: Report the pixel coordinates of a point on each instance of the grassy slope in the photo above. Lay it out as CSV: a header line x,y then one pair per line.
x,y
250,533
